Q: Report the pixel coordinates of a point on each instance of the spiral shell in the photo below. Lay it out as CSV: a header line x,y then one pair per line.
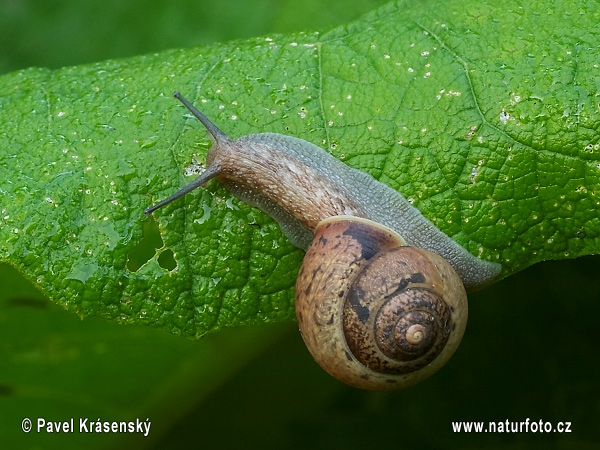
x,y
374,312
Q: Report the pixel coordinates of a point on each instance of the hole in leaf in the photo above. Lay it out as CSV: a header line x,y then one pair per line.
x,y
146,248
166,260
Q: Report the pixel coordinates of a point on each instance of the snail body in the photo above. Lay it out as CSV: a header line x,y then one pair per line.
x,y
306,190
299,184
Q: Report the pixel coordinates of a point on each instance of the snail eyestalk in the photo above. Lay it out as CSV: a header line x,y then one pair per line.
x,y
217,137
204,178
214,132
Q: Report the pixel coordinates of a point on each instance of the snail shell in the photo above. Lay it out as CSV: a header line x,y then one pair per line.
x,y
374,312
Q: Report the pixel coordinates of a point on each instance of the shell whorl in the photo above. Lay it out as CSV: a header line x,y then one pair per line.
x,y
376,313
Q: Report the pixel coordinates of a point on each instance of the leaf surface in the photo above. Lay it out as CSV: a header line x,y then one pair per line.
x,y
484,115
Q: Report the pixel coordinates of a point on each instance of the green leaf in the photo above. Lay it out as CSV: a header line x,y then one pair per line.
x,y
484,115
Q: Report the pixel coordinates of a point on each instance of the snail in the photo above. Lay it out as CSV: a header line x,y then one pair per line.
x,y
381,295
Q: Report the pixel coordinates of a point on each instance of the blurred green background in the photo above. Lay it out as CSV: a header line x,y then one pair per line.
x,y
530,350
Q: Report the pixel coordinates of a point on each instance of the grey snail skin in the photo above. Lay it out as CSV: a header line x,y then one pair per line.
x,y
381,295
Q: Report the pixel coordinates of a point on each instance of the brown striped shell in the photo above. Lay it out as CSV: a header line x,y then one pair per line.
x,y
375,313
